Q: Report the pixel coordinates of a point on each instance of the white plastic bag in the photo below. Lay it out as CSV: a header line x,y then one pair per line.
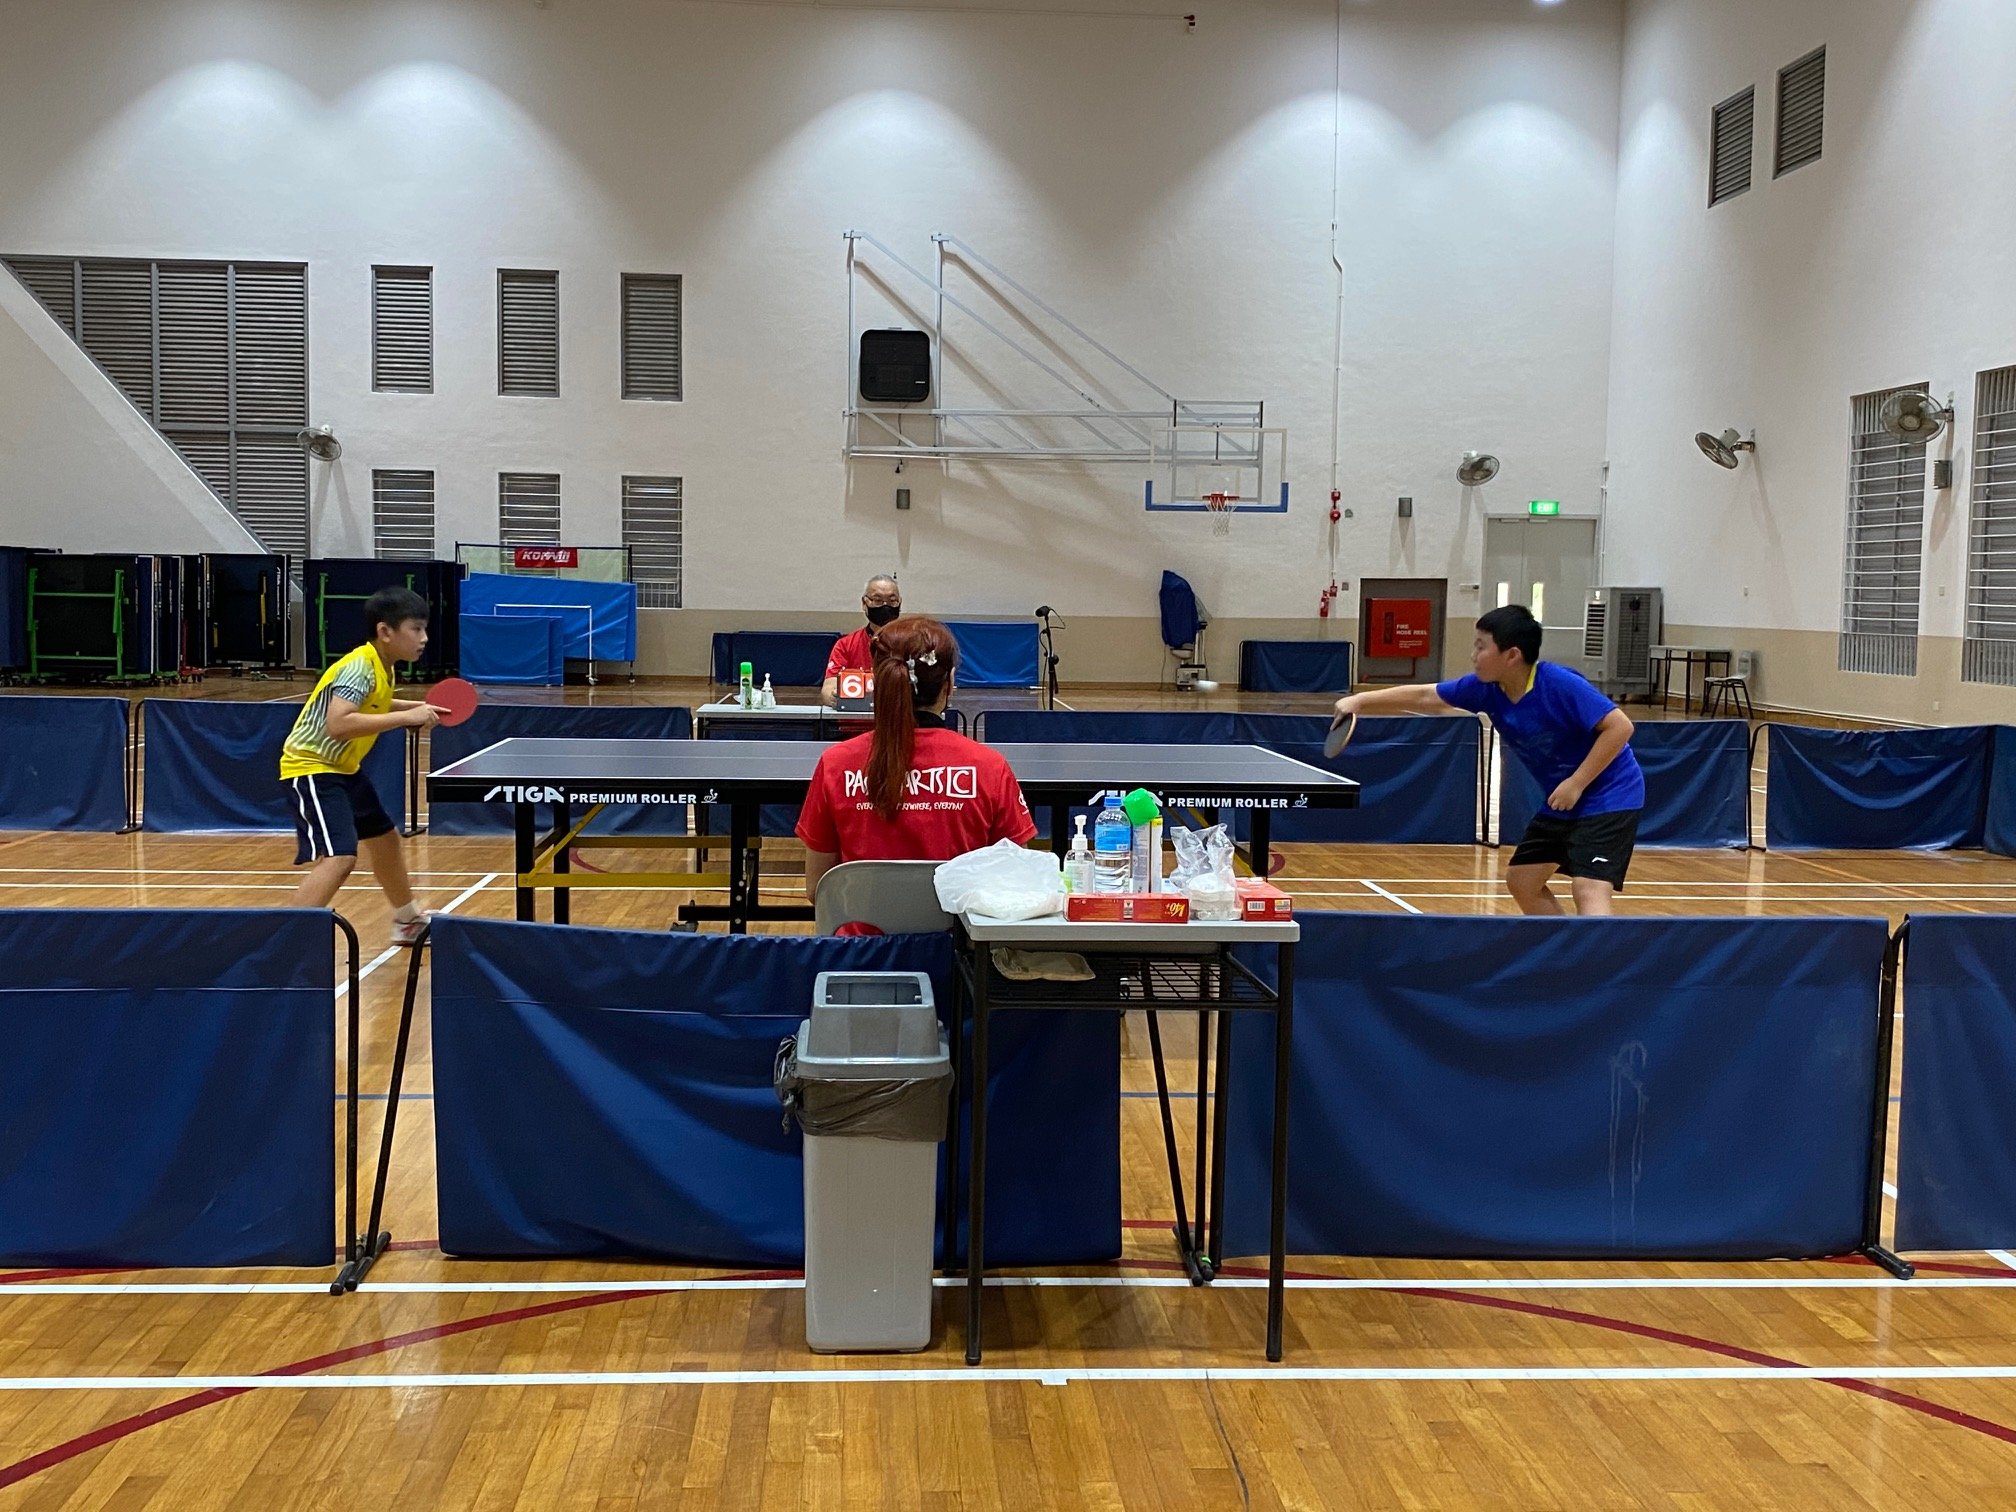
x,y
1003,881
1204,870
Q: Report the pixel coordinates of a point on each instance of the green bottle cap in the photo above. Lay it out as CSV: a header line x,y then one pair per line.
x,y
747,670
1140,807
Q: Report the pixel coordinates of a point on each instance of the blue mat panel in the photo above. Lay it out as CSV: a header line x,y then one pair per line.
x,y
1876,789
499,648
62,763
1278,666
211,765
995,653
1956,1142
1418,776
1697,785
1567,1088
494,721
167,1083
1998,832
605,1093
597,618
790,658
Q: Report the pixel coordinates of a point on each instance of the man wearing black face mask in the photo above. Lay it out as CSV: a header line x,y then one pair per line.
x,y
881,602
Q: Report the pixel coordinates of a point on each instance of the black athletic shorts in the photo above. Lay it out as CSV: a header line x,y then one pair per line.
x,y
1597,846
332,812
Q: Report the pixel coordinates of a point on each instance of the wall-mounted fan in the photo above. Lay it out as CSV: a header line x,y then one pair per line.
x,y
1914,416
320,443
1476,468
1722,450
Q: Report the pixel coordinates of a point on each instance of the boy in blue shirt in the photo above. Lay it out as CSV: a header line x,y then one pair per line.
x,y
1573,740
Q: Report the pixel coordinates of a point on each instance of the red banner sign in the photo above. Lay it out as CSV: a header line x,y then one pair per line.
x,y
523,557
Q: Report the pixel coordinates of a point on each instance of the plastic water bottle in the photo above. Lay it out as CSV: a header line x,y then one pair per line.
x,y
1113,847
745,692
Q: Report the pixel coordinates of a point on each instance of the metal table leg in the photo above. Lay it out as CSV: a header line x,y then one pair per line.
x,y
526,825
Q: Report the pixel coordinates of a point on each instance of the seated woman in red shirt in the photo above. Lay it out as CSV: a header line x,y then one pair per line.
x,y
910,790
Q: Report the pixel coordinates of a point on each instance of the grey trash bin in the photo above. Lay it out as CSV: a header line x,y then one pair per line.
x,y
870,1078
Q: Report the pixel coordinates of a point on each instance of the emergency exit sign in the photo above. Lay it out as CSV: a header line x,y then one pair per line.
x,y
1543,506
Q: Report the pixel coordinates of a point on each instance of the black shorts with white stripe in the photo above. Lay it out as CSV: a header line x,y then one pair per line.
x,y
332,812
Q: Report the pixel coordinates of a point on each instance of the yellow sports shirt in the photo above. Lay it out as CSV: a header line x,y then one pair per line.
x,y
363,679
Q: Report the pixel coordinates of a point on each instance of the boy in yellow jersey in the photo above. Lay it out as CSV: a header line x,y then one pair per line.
x,y
336,810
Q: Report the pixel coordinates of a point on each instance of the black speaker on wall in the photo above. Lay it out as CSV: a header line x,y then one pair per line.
x,y
896,366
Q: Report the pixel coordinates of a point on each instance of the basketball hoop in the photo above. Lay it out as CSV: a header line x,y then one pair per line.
x,y
1218,504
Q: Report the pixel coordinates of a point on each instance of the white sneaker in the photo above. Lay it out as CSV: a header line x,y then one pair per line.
x,y
405,932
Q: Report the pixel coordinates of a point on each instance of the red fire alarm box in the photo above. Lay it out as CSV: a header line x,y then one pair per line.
x,y
1399,628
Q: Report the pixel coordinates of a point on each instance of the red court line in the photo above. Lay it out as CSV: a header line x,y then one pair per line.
x,y
109,1433
65,1275
1933,1409
112,1432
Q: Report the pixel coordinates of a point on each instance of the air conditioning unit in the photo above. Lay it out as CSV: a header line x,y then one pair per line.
x,y
1620,626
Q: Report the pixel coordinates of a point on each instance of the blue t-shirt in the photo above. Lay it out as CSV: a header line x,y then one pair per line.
x,y
1551,731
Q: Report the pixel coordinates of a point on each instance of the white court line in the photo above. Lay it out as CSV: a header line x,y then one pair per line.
x,y
392,950
1062,1375
1375,887
1889,1190
436,887
2003,1257
1142,1283
1666,882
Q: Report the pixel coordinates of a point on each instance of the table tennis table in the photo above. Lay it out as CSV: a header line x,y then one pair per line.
x,y
743,775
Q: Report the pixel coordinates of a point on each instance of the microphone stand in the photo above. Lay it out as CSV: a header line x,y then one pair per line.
x,y
1047,646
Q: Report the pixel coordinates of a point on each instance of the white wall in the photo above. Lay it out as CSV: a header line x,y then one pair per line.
x,y
1170,190
1890,261
80,470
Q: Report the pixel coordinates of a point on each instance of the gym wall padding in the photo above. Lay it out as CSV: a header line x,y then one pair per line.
x,y
604,1092
1501,1088
494,721
1876,789
62,763
1273,666
594,618
1697,785
1956,1140
212,765
167,1084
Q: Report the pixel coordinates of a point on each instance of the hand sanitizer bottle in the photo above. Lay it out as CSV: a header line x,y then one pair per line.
x,y
767,699
1080,877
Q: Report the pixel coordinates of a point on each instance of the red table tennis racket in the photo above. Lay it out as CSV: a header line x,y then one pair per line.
x,y
1341,730
455,697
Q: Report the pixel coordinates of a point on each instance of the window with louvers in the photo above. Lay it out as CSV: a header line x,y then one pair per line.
x,y
1886,536
651,529
1988,641
402,330
402,515
1729,146
215,356
528,331
1802,111
652,357
528,509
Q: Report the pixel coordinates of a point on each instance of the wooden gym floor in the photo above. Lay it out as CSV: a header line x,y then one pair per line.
x,y
453,1384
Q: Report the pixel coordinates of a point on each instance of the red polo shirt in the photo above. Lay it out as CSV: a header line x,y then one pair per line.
x,y
851,653
963,796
